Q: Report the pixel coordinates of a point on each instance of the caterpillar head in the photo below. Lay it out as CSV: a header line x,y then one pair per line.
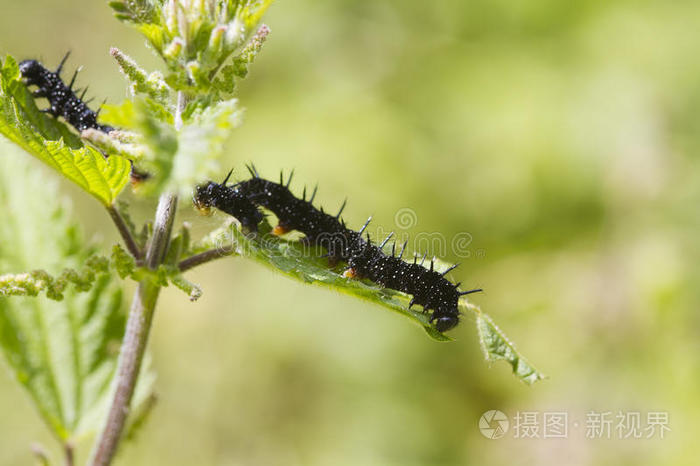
x,y
204,197
445,323
31,69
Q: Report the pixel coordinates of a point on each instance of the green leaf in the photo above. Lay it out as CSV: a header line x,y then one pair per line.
x,y
123,262
137,11
201,143
63,353
195,39
177,160
151,85
53,143
31,283
191,289
496,346
250,51
305,263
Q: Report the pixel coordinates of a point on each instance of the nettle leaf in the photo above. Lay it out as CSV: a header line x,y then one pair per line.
x,y
201,144
496,346
177,160
64,353
137,11
31,283
141,83
305,263
194,39
53,143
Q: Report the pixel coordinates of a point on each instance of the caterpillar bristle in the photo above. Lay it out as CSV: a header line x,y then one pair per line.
x,y
60,65
450,269
72,80
341,208
403,248
476,290
223,183
364,226
388,237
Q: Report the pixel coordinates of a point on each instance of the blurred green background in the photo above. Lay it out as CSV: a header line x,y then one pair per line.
x,y
562,136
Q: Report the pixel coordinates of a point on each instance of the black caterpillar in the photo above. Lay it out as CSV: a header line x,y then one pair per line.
x,y
62,100
428,287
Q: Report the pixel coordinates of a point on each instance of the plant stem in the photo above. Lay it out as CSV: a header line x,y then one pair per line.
x,y
70,457
138,325
203,257
136,336
124,231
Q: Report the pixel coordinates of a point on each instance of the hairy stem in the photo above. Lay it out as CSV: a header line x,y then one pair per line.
x,y
203,257
124,231
138,327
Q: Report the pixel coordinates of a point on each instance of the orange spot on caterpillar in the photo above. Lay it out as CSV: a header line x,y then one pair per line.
x,y
280,230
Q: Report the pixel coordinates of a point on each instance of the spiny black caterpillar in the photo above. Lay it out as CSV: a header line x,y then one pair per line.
x,y
62,100
428,287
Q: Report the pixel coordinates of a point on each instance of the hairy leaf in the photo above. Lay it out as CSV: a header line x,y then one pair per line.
x,y
177,160
151,85
496,346
305,263
64,353
31,283
53,143
201,145
196,39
